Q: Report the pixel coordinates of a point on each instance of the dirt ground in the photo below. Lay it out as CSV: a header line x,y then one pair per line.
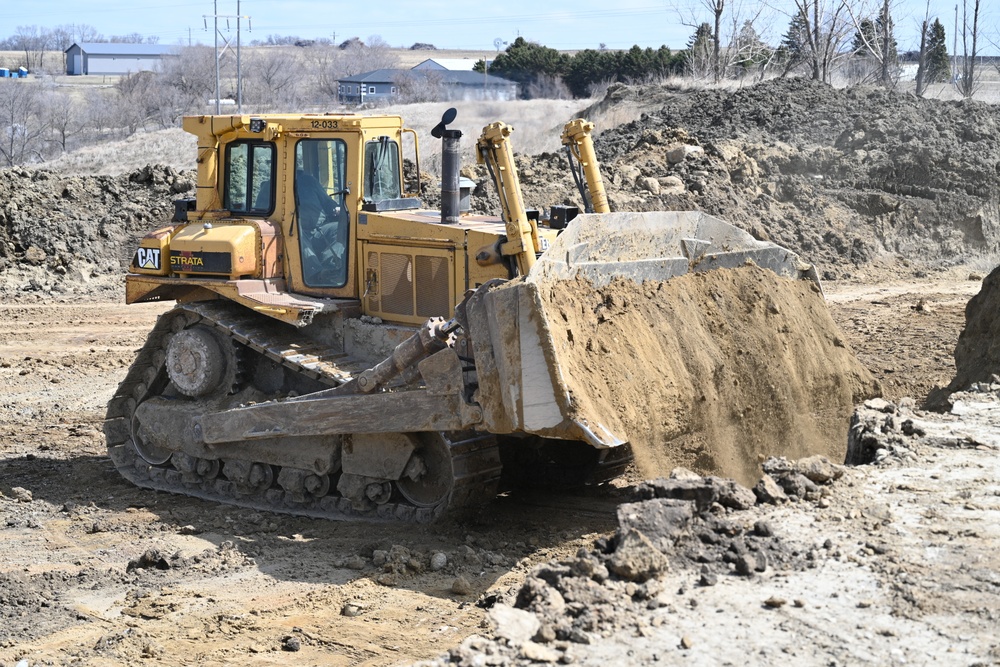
x,y
96,572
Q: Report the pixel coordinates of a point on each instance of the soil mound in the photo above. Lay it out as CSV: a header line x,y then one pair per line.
x,y
977,355
76,234
848,178
834,174
711,371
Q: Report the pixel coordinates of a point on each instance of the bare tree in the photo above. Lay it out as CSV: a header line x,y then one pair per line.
x,y
269,78
192,74
875,43
825,29
358,57
705,51
728,42
419,87
922,56
698,57
22,123
95,113
747,53
967,82
326,62
62,118
33,41
137,102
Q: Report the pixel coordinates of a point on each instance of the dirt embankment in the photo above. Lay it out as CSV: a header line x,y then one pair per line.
x,y
842,176
712,371
69,234
977,355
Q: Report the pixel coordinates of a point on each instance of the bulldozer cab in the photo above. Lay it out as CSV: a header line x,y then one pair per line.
x,y
307,177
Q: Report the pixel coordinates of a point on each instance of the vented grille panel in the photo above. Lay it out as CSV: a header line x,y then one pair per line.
x,y
396,278
432,286
371,284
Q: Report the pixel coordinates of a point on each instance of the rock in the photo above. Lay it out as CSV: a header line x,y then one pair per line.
x,y
152,558
686,642
797,484
546,634
704,491
680,472
517,626
661,520
389,579
539,653
350,609
746,564
767,491
671,185
461,586
774,602
679,153
538,596
291,644
34,255
777,466
21,495
355,563
438,561
881,405
649,184
818,469
636,558
380,557
762,528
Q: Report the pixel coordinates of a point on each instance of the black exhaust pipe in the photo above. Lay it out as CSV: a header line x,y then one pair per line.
x,y
451,165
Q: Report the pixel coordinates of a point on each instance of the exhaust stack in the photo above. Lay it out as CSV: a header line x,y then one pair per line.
x,y
451,165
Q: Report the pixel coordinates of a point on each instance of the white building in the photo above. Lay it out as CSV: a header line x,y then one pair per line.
x,y
104,58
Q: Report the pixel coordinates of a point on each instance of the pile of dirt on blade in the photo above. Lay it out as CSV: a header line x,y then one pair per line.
x,y
711,371
977,355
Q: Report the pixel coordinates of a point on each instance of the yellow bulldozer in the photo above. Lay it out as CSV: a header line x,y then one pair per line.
x,y
337,350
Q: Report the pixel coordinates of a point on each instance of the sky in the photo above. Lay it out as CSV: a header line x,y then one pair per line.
x,y
560,24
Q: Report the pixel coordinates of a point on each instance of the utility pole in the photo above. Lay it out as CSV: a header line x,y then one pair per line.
x,y
218,56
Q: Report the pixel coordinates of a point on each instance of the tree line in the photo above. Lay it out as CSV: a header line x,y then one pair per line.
x,y
823,38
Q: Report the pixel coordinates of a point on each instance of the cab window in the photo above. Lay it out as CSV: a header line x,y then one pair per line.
x,y
382,170
321,211
249,186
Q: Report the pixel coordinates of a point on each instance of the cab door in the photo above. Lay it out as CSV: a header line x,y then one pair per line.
x,y
320,203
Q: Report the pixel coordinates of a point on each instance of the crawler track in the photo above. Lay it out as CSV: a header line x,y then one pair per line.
x,y
475,457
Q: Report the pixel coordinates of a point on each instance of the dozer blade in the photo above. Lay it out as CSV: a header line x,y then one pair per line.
x,y
658,245
623,332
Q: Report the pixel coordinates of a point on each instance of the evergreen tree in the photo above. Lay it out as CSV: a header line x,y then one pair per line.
x,y
938,62
794,47
526,62
866,42
884,27
699,51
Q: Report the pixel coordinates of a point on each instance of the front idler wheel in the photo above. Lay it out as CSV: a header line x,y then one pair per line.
x,y
428,477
